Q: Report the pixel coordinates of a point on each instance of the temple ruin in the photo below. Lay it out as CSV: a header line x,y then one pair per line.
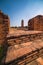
x,y
36,23
25,42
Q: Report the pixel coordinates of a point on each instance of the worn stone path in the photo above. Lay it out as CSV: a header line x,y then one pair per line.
x,y
22,49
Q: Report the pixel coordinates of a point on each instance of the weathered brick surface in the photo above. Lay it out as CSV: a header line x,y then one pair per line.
x,y
36,23
4,27
25,38
24,52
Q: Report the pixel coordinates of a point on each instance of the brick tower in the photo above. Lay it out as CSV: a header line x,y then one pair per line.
x,y
22,23
4,27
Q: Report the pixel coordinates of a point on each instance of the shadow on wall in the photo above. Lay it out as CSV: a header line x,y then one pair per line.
x,y
3,53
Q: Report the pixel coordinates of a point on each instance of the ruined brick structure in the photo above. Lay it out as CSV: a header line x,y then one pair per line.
x,y
4,27
36,23
22,23
25,46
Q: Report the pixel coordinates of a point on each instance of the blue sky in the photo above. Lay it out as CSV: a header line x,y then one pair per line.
x,y
21,9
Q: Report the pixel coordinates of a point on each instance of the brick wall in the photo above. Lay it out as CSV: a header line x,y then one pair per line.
x,y
36,23
4,27
24,38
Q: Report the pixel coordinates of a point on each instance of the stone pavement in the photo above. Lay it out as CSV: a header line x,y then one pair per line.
x,y
17,51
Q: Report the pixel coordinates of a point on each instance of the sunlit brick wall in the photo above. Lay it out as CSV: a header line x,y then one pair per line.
x,y
4,27
36,23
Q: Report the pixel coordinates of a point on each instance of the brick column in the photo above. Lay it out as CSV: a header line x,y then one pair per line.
x,y
22,23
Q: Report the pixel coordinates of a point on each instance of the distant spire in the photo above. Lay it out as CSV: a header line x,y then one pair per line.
x,y
22,23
